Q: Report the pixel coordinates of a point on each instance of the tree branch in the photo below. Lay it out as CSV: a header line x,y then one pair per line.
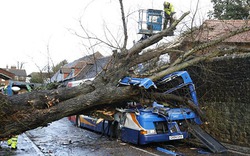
x,y
124,26
139,46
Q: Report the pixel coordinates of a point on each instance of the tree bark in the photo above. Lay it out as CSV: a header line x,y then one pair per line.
x,y
23,112
28,117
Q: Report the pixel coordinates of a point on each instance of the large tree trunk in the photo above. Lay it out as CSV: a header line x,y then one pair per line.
x,y
23,112
19,114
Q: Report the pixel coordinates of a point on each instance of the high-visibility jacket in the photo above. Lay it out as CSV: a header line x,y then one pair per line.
x,y
13,142
168,10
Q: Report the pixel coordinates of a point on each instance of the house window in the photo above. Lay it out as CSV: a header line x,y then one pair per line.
x,y
16,78
21,78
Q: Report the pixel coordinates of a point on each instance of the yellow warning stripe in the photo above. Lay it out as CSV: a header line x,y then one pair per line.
x,y
82,120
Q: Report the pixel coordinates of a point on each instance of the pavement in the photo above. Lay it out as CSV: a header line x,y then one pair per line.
x,y
25,147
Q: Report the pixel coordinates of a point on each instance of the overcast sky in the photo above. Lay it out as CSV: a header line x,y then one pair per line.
x,y
28,27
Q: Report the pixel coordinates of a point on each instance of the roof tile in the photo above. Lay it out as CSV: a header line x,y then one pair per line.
x,y
214,29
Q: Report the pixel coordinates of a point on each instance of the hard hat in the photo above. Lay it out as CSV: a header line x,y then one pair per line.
x,y
15,88
166,3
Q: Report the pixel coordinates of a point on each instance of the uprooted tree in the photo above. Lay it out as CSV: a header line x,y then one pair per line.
x,y
27,111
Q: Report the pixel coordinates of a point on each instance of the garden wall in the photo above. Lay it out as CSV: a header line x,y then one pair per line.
x,y
223,88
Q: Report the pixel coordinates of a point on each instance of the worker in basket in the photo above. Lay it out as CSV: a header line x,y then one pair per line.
x,y
168,14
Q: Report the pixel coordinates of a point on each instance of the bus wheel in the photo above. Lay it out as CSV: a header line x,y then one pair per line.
x,y
78,121
116,130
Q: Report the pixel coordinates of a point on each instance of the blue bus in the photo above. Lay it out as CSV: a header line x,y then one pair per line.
x,y
158,122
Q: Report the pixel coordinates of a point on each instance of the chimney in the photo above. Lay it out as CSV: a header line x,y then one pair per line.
x,y
13,67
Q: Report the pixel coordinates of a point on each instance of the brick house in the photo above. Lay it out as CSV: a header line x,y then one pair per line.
x,y
214,29
12,73
5,76
81,68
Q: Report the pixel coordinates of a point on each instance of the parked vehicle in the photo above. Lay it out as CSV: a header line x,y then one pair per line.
x,y
23,86
78,82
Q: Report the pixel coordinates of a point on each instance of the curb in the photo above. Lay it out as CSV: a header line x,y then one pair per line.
x,y
38,151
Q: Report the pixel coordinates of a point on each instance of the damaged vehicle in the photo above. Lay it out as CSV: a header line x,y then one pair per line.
x,y
161,120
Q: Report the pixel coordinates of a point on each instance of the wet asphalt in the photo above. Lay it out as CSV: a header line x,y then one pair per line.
x,y
62,138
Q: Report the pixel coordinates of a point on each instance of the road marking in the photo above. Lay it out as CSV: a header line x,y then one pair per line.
x,y
232,151
145,151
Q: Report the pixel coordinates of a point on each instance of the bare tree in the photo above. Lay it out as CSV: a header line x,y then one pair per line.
x,y
27,111
20,65
46,71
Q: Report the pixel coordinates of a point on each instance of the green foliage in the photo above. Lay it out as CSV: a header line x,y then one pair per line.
x,y
48,86
51,86
42,77
36,78
230,9
59,65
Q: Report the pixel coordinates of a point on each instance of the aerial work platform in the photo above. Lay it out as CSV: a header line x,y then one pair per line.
x,y
150,21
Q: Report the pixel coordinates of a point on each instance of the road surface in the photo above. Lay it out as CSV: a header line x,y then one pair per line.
x,y
62,138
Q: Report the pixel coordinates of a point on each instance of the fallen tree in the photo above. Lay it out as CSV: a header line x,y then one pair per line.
x,y
27,111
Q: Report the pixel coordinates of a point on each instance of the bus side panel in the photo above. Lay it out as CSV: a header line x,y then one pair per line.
x,y
130,135
101,127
